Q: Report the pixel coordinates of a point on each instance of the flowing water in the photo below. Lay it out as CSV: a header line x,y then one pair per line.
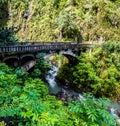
x,y
66,93
53,87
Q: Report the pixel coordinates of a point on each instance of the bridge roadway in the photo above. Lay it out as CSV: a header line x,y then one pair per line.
x,y
37,47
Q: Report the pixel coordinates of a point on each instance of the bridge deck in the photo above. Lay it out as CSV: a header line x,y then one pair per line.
x,y
33,47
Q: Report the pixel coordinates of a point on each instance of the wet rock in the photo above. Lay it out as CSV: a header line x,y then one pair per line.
x,y
69,98
109,109
67,95
119,102
118,112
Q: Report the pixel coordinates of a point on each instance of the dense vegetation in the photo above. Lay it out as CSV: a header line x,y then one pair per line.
x,y
62,20
24,97
25,102
6,37
97,72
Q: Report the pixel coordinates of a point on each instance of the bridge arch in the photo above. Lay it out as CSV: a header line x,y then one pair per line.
x,y
12,61
26,58
27,55
70,55
72,58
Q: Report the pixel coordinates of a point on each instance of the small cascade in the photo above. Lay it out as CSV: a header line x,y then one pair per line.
x,y
53,87
112,111
61,92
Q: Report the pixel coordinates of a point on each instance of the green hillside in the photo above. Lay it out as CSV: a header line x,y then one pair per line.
x,y
62,20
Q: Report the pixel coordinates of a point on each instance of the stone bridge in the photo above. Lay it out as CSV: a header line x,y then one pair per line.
x,y
25,54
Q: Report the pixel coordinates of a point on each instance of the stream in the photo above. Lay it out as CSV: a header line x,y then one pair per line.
x,y
52,84
66,93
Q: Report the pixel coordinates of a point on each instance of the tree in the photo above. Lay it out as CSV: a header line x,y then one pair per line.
x,y
6,37
63,20
98,72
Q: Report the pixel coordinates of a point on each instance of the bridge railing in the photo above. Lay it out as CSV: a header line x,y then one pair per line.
x,y
29,43
41,47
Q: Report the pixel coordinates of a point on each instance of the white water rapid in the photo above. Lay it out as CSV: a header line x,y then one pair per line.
x,y
53,87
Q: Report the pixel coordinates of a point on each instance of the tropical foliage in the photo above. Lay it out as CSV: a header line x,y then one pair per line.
x,y
62,20
40,69
27,102
98,71
6,37
24,97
